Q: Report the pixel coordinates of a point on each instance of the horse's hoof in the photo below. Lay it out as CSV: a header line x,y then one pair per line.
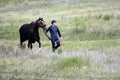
x,y
39,49
30,51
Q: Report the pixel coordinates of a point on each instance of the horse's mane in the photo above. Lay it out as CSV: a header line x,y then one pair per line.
x,y
34,23
31,23
39,19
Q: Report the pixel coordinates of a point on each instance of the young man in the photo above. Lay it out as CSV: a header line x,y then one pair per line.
x,y
54,31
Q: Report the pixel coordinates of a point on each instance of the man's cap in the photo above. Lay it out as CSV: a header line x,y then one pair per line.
x,y
53,21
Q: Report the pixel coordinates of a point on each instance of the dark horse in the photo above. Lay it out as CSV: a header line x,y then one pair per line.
x,y
30,32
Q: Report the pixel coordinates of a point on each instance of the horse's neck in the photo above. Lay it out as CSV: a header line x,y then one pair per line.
x,y
34,26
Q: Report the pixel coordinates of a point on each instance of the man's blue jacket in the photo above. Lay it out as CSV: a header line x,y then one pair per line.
x,y
54,31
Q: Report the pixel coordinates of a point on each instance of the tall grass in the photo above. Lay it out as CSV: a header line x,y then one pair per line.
x,y
80,64
87,28
69,62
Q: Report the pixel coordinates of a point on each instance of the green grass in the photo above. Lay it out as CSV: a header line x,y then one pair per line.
x,y
69,62
85,21
65,64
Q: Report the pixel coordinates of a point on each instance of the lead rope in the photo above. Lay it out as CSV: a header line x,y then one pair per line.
x,y
46,35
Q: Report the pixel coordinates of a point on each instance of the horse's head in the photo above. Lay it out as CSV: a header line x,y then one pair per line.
x,y
40,22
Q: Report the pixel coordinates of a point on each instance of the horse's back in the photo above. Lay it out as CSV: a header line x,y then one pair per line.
x,y
25,27
24,32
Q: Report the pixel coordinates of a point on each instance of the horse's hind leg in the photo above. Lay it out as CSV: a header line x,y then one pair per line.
x,y
39,44
30,45
21,41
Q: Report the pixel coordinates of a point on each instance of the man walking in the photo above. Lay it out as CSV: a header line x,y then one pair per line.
x,y
54,32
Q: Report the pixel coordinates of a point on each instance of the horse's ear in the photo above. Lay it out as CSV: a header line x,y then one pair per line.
x,y
40,18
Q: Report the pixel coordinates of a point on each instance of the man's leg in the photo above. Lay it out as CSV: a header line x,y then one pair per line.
x,y
53,45
58,44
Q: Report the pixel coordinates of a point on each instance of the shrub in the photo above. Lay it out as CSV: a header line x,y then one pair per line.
x,y
107,17
69,62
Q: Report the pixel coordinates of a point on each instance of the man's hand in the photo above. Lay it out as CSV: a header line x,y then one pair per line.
x,y
60,38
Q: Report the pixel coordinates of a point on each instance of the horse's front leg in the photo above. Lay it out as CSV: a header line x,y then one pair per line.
x,y
39,43
39,46
37,38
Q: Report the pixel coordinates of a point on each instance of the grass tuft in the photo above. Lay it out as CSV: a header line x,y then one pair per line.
x,y
69,62
107,17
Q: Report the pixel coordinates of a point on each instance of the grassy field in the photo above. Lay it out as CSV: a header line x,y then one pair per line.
x,y
90,46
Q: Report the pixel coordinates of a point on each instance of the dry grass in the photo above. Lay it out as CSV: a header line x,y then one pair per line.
x,y
84,64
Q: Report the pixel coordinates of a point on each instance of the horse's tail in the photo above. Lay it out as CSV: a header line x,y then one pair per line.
x,y
21,32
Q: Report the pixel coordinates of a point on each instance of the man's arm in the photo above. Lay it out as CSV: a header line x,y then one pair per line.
x,y
46,33
58,32
47,29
